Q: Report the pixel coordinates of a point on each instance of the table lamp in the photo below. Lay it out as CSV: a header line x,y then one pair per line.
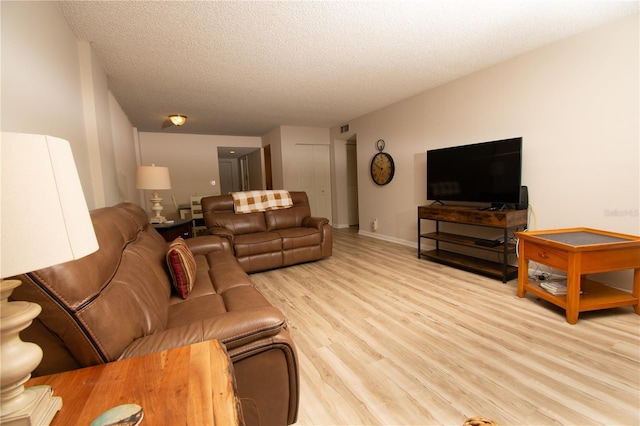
x,y
154,178
44,221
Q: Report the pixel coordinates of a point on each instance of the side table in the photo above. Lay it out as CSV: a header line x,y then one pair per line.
x,y
191,385
581,251
171,231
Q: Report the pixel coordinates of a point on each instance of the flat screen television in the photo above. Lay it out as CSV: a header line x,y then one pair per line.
x,y
488,172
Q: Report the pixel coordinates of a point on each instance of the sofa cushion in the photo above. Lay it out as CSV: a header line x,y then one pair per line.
x,y
246,223
182,266
299,237
286,218
217,272
238,315
257,243
234,329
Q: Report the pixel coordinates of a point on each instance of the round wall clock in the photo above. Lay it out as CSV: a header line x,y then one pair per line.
x,y
382,166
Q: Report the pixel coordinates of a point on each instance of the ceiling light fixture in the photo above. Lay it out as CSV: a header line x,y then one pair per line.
x,y
174,120
177,119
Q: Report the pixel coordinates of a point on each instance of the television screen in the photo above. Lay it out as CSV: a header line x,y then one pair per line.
x,y
488,172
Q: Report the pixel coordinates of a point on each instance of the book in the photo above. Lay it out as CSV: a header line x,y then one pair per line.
x,y
557,288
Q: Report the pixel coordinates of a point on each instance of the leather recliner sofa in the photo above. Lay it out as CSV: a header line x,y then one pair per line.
x,y
269,239
119,302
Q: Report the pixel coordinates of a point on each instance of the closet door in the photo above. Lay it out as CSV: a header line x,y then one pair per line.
x,y
314,177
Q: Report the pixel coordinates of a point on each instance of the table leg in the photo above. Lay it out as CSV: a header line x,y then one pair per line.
x,y
573,288
636,289
523,270
419,239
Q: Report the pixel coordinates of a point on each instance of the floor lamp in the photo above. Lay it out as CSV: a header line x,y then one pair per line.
x,y
44,221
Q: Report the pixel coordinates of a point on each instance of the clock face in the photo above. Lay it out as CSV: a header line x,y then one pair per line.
x,y
382,168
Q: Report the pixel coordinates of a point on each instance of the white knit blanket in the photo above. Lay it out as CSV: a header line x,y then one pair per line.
x,y
260,201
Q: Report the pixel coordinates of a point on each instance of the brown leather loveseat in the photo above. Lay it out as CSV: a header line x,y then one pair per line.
x,y
269,239
119,302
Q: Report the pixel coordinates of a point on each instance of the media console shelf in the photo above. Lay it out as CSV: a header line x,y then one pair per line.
x,y
507,220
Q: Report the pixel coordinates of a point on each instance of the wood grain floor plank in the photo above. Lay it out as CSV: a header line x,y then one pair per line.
x,y
386,338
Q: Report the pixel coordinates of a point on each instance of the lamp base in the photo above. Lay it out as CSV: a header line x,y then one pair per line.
x,y
39,412
158,219
20,406
156,208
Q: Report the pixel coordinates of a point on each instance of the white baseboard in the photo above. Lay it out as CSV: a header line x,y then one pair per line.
x,y
407,243
340,226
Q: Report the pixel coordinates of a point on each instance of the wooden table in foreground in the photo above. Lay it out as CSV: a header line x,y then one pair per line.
x,y
191,385
581,251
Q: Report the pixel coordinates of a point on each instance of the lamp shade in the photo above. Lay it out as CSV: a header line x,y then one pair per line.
x,y
153,177
45,220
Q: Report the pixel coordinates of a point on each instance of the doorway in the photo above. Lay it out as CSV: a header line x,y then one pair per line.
x,y
353,216
240,169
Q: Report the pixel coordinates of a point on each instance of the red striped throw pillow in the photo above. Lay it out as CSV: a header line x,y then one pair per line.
x,y
182,266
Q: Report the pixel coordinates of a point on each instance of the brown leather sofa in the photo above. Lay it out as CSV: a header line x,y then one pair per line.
x,y
119,302
270,239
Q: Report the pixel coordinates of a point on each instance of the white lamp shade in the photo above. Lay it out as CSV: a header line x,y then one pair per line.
x,y
153,177
45,220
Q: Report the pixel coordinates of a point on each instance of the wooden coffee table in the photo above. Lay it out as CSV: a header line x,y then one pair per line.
x,y
187,385
581,251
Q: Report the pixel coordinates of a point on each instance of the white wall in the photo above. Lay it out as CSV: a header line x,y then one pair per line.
x,y
575,103
52,84
40,78
124,151
192,162
97,124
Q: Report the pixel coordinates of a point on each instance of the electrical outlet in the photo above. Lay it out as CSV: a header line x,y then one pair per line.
x,y
374,224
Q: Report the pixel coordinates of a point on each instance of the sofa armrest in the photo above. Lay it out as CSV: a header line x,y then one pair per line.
x,y
267,374
233,329
314,222
206,244
222,232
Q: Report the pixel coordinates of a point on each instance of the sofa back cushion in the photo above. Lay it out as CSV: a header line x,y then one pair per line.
x,y
218,212
101,303
291,217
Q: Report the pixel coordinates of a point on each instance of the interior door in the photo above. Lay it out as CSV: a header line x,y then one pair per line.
x,y
314,177
267,167
226,177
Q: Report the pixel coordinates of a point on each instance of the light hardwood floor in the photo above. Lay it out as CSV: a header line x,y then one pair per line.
x,y
386,338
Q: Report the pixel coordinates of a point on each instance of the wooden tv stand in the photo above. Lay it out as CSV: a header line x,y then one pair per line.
x,y
507,220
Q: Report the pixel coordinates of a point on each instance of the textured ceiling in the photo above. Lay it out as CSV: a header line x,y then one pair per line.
x,y
243,68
